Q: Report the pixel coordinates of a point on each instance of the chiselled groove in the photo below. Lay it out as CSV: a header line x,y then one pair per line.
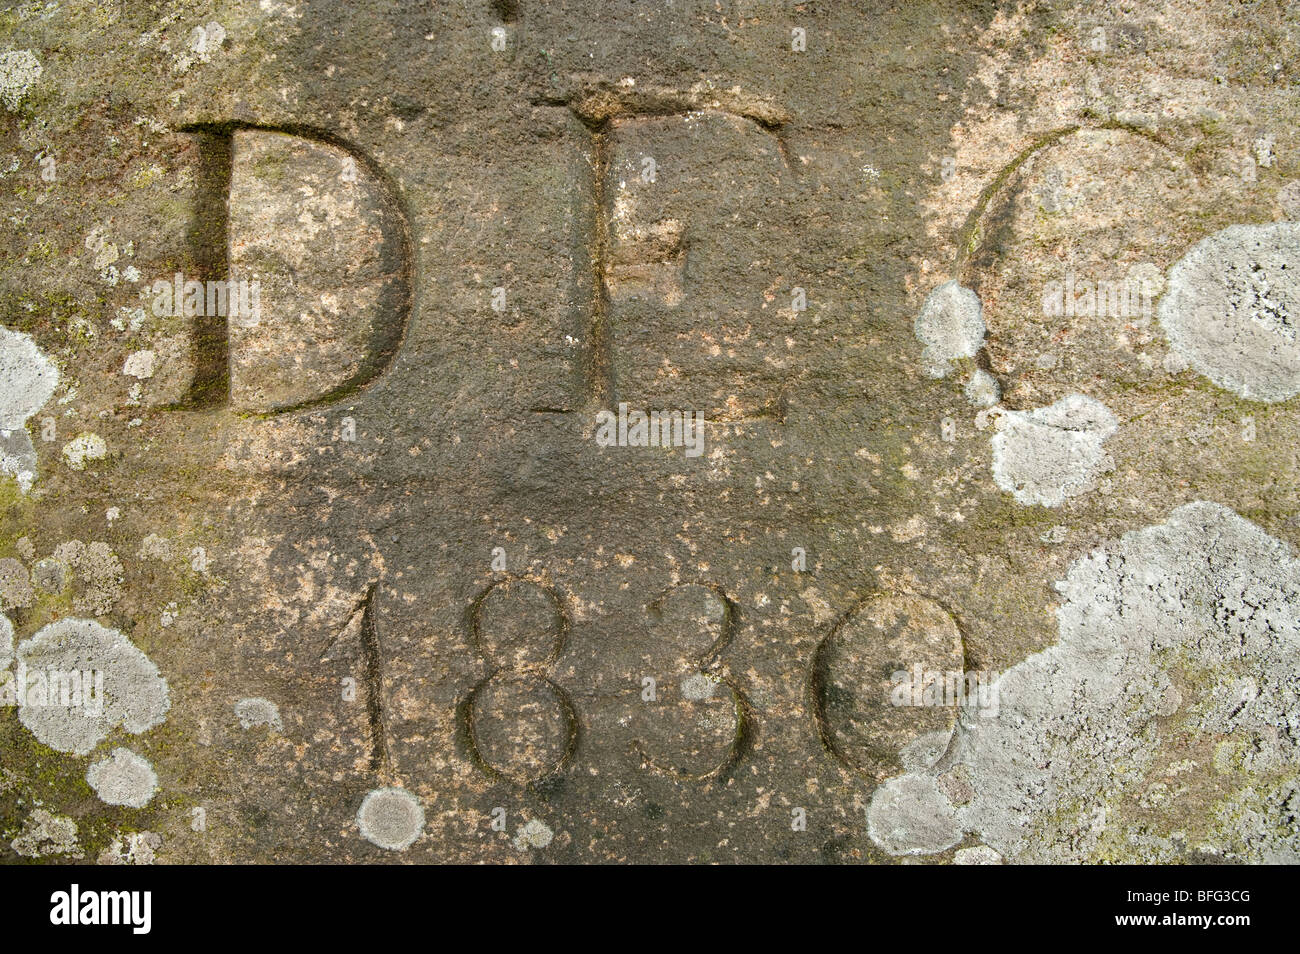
x,y
371,672
211,241
209,238
374,683
597,105
562,623
466,716
528,677
742,709
969,238
600,380
741,741
730,618
893,615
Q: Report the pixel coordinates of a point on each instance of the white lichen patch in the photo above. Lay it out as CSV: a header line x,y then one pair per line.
x,y
1171,638
1232,310
97,575
19,71
139,364
978,855
257,711
155,547
27,379
132,848
909,815
698,687
391,818
134,694
45,834
6,642
82,449
1050,453
982,389
534,833
950,326
123,778
18,457
203,43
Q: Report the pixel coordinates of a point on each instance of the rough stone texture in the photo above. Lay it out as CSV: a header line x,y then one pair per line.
x,y
693,243
382,507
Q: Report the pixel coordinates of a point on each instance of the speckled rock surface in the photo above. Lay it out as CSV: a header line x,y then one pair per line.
x,y
986,314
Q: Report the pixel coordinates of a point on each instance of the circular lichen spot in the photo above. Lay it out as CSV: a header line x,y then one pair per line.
x,y
391,818
123,778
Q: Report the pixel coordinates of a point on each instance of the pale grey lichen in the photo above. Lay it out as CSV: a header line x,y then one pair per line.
x,y
18,457
19,71
27,381
15,586
135,695
123,778
6,642
391,818
1207,602
1232,310
534,833
83,448
258,711
44,834
950,326
51,575
698,687
978,855
909,815
982,389
132,848
1050,453
98,574
924,751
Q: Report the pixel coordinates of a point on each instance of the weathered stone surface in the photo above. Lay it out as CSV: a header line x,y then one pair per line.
x,y
388,597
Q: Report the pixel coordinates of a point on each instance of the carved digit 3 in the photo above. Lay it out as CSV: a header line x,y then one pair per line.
x,y
696,726
520,725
